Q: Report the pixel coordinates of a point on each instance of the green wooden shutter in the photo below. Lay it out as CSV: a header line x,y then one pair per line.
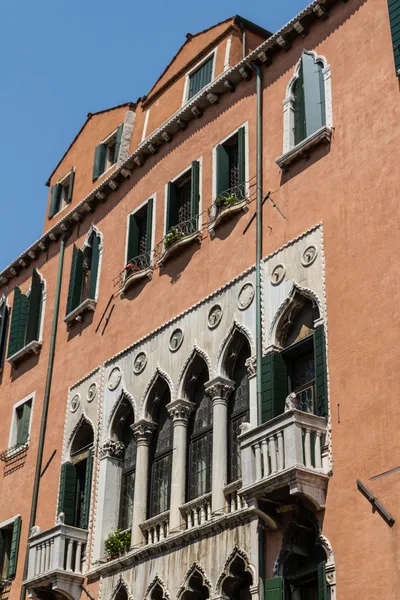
x,y
172,207
94,266
35,308
71,186
67,493
12,565
87,492
322,585
75,280
149,224
273,588
195,190
118,142
321,390
1,547
18,322
200,78
241,156
23,425
394,17
222,159
99,161
274,385
55,199
299,108
3,330
314,96
133,239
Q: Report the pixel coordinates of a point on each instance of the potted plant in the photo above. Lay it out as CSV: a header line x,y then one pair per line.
x,y
173,235
224,201
117,543
131,268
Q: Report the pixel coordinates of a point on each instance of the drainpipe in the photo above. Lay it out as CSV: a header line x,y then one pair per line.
x,y
45,411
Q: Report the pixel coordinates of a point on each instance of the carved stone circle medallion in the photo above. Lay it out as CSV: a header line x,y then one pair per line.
x,y
214,316
75,402
92,391
114,378
176,339
139,363
278,274
246,296
309,255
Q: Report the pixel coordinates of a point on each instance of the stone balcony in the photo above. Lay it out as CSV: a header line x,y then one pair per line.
x,y
284,457
57,560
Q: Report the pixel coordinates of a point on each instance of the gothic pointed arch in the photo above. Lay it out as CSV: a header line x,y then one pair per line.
x,y
237,577
196,585
81,435
157,590
123,398
121,590
195,352
237,330
145,403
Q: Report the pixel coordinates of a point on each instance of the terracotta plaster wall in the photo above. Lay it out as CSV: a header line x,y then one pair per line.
x,y
352,187
81,156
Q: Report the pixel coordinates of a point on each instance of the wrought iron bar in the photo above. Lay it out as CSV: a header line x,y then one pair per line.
x,y
230,197
13,451
176,233
134,265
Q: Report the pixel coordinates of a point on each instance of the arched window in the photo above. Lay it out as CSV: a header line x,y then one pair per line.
x,y
122,431
161,463
83,281
309,98
121,593
236,585
200,432
238,407
76,479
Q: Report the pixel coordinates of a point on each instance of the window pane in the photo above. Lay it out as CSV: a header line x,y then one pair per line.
x,y
164,439
235,458
161,484
203,414
183,201
303,371
126,507
200,456
200,78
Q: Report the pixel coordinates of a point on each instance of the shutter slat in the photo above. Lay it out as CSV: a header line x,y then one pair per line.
x,y
394,10
3,331
67,493
133,239
75,280
299,108
195,190
55,199
23,425
241,156
149,224
99,161
274,588
172,207
322,585
314,96
200,78
35,308
274,385
71,186
320,371
94,266
118,142
12,565
87,492
222,159
18,322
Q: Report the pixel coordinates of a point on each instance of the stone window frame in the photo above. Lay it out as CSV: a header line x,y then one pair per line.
x,y
199,64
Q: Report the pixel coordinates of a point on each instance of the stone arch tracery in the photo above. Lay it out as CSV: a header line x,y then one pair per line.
x,y
235,330
123,396
121,591
237,577
196,351
145,411
196,585
157,590
83,421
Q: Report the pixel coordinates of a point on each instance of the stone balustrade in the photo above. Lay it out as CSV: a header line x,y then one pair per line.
x,y
197,511
155,529
234,499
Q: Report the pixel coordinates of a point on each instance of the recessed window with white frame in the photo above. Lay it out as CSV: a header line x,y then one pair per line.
x,y
61,193
21,423
106,153
200,76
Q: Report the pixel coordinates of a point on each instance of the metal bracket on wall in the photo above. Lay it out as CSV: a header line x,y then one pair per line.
x,y
376,505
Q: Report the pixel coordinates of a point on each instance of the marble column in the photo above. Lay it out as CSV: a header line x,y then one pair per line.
x,y
251,374
143,431
219,390
179,411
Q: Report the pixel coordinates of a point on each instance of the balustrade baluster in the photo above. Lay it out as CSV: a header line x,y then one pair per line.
x,y
318,451
257,452
196,517
48,555
307,448
78,557
264,447
272,453
202,514
281,456
161,536
40,552
69,555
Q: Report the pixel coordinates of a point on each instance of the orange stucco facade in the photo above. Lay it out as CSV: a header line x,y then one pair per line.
x,y
351,186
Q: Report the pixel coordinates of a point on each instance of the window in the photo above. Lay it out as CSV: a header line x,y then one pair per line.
x,y
309,98
84,272
122,431
23,421
9,546
4,316
395,31
231,169
76,479
200,433
106,153
161,463
238,406
61,193
139,243
200,77
26,316
183,202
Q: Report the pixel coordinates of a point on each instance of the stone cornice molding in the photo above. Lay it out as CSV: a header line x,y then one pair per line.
x,y
180,411
143,431
219,389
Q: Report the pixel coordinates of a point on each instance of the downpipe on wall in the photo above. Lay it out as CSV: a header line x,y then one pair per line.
x,y
43,424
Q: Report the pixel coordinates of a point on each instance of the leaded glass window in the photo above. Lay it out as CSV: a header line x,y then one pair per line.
x,y
238,412
162,463
200,442
128,479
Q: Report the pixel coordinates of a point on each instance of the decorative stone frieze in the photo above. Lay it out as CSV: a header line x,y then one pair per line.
x,y
112,449
251,366
180,410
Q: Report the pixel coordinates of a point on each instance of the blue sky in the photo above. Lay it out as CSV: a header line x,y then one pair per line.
x,y
61,60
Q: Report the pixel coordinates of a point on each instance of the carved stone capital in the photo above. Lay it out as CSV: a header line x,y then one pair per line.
x,y
112,449
180,411
251,366
219,389
143,431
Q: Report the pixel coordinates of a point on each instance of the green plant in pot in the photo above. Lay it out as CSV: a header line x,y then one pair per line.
x,y
173,235
118,543
224,201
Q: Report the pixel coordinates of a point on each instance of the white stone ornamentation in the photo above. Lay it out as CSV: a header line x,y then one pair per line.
x,y
112,449
140,362
180,410
246,296
309,255
214,316
176,340
92,392
278,274
75,403
114,378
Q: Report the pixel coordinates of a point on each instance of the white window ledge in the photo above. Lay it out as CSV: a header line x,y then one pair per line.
x,y
168,252
133,278
322,135
31,348
14,451
77,314
225,213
